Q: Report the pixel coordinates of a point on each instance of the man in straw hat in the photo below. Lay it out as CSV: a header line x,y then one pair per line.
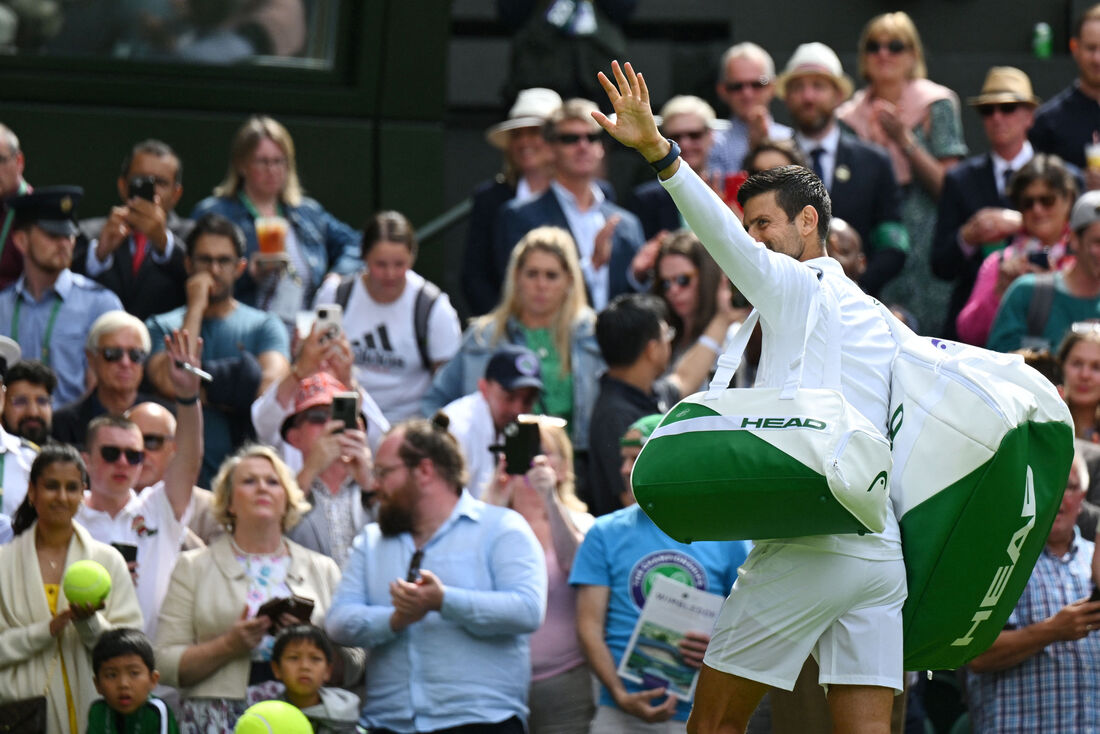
x,y
974,207
838,597
858,176
528,168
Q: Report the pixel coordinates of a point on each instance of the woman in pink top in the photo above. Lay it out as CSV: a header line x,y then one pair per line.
x,y
1043,191
561,695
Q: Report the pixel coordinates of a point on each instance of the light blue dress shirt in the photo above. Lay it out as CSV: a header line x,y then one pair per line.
x,y
82,302
470,661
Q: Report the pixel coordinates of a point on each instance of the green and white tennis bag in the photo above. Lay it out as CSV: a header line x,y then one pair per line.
x,y
751,463
982,449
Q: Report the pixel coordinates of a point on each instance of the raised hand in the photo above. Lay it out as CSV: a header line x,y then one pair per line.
x,y
183,348
634,125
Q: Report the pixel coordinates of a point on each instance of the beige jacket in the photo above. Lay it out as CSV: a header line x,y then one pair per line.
x,y
27,650
206,596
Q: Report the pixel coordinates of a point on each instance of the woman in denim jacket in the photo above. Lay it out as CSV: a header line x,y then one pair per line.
x,y
262,181
544,308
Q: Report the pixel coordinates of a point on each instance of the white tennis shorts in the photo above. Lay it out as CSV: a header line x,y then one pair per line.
x,y
791,601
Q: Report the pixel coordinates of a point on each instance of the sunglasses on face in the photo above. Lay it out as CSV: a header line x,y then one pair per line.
x,y
155,441
1006,108
317,417
1046,201
895,47
114,354
755,84
110,454
681,281
574,138
692,135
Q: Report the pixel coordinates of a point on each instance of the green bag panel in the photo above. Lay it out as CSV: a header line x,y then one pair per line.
x,y
713,505
968,558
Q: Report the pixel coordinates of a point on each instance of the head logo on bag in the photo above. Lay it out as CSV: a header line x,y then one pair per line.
x,y
814,423
880,482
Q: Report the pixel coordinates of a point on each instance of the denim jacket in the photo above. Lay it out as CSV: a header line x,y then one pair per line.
x,y
327,244
459,376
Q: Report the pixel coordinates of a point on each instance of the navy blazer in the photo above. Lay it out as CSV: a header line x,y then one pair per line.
x,y
480,284
868,197
654,208
516,220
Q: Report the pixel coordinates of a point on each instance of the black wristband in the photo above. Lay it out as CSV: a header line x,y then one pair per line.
x,y
188,401
673,154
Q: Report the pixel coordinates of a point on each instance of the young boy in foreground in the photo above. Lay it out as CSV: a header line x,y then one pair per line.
x,y
302,659
125,675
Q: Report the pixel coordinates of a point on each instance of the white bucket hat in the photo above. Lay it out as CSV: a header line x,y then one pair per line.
x,y
532,108
815,59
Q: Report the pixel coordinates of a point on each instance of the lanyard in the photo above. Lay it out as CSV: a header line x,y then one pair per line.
x,y
256,212
7,221
49,325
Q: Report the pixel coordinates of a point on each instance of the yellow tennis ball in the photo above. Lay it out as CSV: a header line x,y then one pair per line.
x,y
86,582
273,717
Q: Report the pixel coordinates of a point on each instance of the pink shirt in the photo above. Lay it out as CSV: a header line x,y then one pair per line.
x,y
554,646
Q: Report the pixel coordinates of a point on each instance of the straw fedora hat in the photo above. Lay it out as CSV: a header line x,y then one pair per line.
x,y
1005,84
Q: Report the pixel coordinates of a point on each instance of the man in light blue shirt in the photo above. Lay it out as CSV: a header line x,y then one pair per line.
x,y
444,590
50,309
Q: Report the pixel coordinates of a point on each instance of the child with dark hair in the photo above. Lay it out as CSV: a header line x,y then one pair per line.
x,y
125,675
302,659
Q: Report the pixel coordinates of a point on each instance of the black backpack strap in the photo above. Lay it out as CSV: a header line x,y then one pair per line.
x,y
343,291
425,298
1038,310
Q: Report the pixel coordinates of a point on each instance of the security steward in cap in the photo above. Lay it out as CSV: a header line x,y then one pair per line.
x,y
50,309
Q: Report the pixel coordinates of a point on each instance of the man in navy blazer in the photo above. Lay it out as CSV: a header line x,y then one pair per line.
x,y
858,175
607,236
974,211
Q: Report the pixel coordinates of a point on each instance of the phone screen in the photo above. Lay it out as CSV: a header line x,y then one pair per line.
x,y
345,407
142,187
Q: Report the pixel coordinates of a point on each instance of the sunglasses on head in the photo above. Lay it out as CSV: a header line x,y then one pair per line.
x,y
683,281
1046,201
1006,108
1086,327
114,354
155,441
110,454
755,84
895,47
572,138
693,135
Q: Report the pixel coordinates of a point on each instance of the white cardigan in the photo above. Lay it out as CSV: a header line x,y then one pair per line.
x,y
27,650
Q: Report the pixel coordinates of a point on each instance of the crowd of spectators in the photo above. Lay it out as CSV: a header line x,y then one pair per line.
x,y
176,395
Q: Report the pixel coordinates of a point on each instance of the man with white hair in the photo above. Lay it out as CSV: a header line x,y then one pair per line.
x,y
12,183
116,348
1042,671
746,85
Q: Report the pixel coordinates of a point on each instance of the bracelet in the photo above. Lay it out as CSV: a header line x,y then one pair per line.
x,y
188,401
673,154
709,343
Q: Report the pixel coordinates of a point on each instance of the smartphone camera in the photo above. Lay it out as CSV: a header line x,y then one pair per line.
x,y
142,187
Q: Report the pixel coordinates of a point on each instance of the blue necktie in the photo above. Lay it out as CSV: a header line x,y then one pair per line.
x,y
816,154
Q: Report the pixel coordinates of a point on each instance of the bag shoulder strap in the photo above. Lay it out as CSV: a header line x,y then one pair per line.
x,y
425,298
1042,298
343,291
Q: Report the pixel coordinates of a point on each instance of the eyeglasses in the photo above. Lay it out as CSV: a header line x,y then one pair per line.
x,y
379,473
682,280
573,138
115,354
895,47
692,135
1006,108
755,84
315,416
414,566
1046,201
206,261
155,441
110,454
24,401
269,162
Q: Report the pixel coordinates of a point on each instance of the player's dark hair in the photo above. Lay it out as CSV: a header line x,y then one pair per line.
x,y
795,188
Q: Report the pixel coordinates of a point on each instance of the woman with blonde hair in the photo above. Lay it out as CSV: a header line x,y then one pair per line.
x,y
261,181
212,641
543,307
918,123
561,696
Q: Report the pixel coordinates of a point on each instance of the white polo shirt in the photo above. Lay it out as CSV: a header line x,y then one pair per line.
x,y
472,426
148,522
18,455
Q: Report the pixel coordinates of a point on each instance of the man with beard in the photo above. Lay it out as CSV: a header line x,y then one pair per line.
x,y
50,309
16,453
858,176
444,590
28,406
245,349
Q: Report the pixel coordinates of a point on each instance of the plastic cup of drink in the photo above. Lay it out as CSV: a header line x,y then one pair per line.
x,y
271,235
1092,155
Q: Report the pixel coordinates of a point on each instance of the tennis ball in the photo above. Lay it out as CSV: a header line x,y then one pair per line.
x,y
273,717
86,582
